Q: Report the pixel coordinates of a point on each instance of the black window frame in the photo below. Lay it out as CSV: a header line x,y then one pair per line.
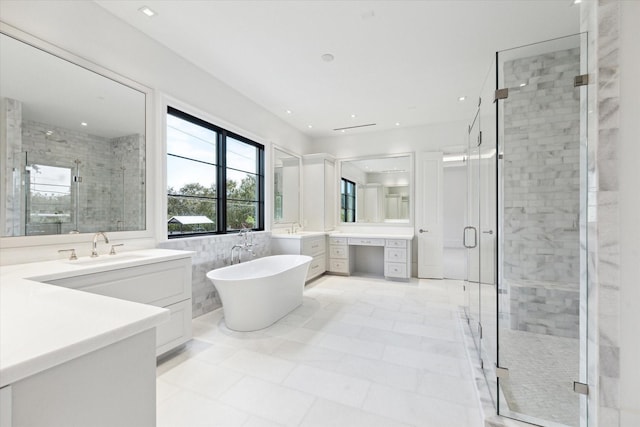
x,y
344,209
221,178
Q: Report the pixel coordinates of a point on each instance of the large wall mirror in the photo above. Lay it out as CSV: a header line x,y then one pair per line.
x,y
73,145
286,187
376,190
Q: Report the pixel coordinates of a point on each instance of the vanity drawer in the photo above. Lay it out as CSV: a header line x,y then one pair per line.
x,y
338,252
339,266
395,255
396,243
337,240
158,284
365,241
313,246
392,269
317,267
177,330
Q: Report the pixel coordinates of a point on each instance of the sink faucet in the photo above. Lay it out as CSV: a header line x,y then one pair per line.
x,y
94,249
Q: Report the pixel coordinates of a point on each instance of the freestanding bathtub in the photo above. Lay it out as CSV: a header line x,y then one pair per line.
x,y
257,293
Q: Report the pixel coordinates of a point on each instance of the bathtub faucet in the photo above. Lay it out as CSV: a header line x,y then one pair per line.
x,y
246,245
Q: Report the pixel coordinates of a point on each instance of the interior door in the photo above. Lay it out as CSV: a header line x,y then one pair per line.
x,y
429,214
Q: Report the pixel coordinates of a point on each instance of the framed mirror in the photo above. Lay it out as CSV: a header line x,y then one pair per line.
x,y
286,187
73,143
376,190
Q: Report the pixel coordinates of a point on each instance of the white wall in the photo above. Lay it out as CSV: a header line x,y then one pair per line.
x,y
628,157
87,30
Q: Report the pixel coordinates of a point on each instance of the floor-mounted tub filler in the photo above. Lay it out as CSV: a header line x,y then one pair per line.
x,y
258,293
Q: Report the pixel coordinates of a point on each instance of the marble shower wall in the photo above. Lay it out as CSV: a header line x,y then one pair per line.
x,y
213,252
542,169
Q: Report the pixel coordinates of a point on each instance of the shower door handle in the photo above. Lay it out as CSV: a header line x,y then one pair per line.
x,y
475,237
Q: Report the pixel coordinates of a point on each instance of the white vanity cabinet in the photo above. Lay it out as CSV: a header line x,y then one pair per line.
x,y
339,256
164,284
395,253
397,258
319,195
313,245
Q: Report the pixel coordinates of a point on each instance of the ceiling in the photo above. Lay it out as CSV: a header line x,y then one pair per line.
x,y
396,63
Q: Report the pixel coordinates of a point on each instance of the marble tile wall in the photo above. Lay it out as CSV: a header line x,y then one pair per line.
x,y
11,203
542,168
604,243
213,252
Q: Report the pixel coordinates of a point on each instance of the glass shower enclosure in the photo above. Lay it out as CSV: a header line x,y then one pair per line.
x,y
526,234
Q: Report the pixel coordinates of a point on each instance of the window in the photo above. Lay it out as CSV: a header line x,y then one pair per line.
x,y
347,201
215,178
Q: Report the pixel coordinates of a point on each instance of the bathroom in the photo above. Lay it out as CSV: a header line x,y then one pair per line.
x,y
92,32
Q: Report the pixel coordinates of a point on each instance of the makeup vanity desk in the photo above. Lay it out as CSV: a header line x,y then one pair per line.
x,y
389,254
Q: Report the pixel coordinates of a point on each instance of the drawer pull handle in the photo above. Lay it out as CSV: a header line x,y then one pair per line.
x,y
315,266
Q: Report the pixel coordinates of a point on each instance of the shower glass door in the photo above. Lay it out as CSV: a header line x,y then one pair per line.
x,y
542,194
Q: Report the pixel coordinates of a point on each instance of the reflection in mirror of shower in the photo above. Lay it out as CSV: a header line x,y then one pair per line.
x,y
47,201
77,179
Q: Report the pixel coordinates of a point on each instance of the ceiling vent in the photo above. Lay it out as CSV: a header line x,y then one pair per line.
x,y
355,127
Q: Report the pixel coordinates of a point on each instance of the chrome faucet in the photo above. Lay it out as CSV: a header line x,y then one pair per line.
x,y
246,245
94,249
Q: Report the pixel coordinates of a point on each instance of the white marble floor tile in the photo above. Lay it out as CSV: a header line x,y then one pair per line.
x,y
367,321
271,401
165,390
188,409
351,345
254,421
333,327
415,409
325,413
428,362
216,353
264,366
306,353
345,389
200,377
390,374
358,352
427,331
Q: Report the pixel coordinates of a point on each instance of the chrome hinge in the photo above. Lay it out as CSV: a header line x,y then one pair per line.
x,y
581,388
501,94
501,156
502,373
480,330
464,288
582,80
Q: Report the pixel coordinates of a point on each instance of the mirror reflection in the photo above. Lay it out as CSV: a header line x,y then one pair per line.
x,y
73,147
286,185
375,190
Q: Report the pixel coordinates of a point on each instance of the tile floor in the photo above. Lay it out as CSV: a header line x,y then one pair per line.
x,y
358,352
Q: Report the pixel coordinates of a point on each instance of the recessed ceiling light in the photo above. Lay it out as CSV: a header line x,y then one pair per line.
x,y
327,57
397,123
523,84
309,126
49,133
343,131
147,11
288,111
353,116
577,1
462,98
84,123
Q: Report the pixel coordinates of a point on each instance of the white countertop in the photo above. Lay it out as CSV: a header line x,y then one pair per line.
x,y
297,235
44,325
372,235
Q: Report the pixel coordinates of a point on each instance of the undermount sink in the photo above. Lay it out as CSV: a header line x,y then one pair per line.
x,y
104,259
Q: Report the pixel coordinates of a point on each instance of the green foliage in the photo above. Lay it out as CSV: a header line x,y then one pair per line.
x,y
241,206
